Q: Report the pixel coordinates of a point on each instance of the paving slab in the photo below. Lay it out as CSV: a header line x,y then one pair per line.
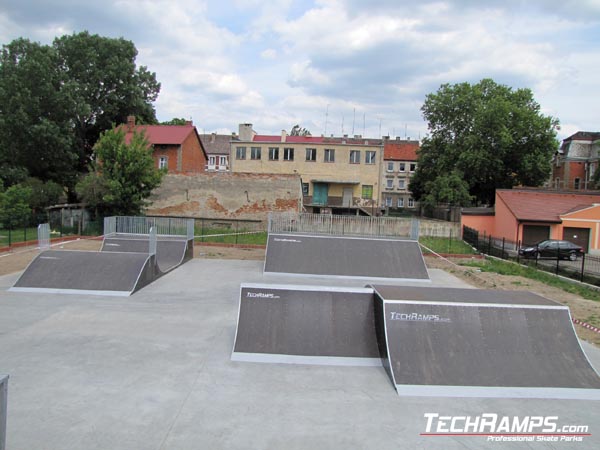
x,y
153,371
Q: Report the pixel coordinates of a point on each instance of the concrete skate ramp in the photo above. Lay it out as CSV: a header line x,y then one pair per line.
x,y
306,325
341,256
480,343
170,251
63,271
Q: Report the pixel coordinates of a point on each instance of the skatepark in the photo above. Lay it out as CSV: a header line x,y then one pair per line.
x,y
160,369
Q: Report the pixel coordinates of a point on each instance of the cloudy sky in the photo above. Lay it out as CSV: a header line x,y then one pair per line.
x,y
338,66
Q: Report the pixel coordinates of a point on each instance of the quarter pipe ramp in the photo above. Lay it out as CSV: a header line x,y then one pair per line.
x,y
343,257
481,343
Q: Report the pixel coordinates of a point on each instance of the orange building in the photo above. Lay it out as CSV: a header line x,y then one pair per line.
x,y
176,148
528,216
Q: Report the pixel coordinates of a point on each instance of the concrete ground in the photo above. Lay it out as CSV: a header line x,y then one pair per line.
x,y
153,371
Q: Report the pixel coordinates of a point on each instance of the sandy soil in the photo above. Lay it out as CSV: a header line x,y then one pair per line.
x,y
582,309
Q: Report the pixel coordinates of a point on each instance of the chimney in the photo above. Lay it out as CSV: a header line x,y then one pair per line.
x,y
130,123
283,135
246,132
213,138
188,123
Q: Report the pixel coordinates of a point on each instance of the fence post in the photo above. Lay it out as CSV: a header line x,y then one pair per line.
x,y
582,266
450,243
557,259
236,232
503,242
9,237
489,252
518,251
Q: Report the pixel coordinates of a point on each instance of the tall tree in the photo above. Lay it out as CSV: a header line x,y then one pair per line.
x,y
487,135
297,130
105,85
35,117
56,100
125,175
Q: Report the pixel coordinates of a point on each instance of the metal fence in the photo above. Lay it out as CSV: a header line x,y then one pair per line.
x,y
408,227
44,236
585,268
329,224
163,226
3,409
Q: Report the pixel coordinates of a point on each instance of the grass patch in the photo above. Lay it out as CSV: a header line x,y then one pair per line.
x,y
228,236
20,235
507,268
445,245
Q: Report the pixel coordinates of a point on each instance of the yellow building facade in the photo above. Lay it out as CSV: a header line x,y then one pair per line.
x,y
339,174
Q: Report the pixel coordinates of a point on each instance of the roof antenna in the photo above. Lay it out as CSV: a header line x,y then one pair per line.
x,y
326,117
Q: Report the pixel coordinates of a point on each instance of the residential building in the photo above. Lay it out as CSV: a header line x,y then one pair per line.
x,y
528,216
340,175
176,148
399,165
217,148
576,161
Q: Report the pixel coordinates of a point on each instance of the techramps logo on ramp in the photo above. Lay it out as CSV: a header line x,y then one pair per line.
x,y
416,317
499,428
265,295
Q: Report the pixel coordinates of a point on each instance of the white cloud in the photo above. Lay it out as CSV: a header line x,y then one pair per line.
x,y
282,62
269,54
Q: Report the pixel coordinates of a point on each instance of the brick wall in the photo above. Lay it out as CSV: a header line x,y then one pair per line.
x,y
226,195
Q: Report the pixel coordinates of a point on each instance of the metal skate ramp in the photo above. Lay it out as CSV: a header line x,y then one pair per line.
x,y
306,325
480,343
345,257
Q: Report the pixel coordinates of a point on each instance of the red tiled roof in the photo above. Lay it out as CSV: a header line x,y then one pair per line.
x,y
401,151
163,134
540,206
290,139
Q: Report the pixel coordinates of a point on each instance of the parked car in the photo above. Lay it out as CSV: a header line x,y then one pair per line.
x,y
551,248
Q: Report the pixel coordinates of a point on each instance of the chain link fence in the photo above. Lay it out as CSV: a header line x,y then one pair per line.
x,y
585,268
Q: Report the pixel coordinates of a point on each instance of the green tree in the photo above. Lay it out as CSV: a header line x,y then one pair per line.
x,y
103,82
35,117
487,135
14,207
175,121
450,189
297,130
127,170
91,189
56,100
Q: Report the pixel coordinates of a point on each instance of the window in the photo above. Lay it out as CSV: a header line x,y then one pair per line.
x,y
304,188
389,183
576,183
388,201
354,156
255,153
401,184
311,154
557,183
370,157
367,191
222,160
402,167
273,153
240,153
212,160
400,203
390,167
163,162
413,167
288,154
329,155
411,203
